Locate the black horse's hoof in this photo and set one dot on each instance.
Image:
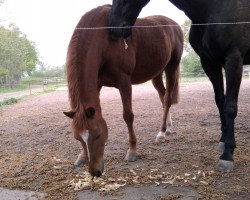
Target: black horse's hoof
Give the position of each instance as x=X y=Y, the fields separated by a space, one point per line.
x=225 y=166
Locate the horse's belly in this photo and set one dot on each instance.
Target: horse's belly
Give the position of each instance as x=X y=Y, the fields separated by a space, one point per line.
x=145 y=74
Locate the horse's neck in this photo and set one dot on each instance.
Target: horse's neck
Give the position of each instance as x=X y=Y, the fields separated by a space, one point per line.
x=89 y=92
x=196 y=10
x=83 y=78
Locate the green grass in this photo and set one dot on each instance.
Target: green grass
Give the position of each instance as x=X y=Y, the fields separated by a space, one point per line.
x=7 y=102
x=16 y=89
x=12 y=101
x=193 y=79
x=32 y=81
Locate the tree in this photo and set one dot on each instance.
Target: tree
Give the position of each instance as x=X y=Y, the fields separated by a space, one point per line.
x=191 y=62
x=49 y=72
x=18 y=56
x=186 y=28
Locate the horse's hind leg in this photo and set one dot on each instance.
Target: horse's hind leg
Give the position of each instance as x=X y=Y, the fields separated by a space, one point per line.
x=159 y=86
x=126 y=96
x=166 y=125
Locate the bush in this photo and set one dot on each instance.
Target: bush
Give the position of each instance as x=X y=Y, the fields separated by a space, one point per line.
x=8 y=102
x=191 y=65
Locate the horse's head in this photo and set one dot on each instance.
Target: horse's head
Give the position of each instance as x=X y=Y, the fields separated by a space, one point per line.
x=124 y=13
x=91 y=130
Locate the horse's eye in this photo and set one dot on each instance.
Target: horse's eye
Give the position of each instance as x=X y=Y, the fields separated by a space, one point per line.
x=89 y=112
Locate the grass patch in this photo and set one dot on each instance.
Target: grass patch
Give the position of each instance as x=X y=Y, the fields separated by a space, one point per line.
x=50 y=88
x=16 y=89
x=7 y=102
x=193 y=79
x=12 y=101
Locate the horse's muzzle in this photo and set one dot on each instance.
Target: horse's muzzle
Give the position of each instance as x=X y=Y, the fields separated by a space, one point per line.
x=98 y=172
x=113 y=34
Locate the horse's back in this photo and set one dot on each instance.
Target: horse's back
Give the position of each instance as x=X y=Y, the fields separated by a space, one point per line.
x=161 y=30
x=158 y=43
x=158 y=23
x=218 y=38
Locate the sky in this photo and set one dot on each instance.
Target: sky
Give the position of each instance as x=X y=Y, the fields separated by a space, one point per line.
x=50 y=23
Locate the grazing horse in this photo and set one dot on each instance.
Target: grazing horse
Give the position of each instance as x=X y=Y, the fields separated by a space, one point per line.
x=223 y=41
x=95 y=60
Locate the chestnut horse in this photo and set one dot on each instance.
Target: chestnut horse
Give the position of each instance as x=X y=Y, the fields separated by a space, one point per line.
x=94 y=60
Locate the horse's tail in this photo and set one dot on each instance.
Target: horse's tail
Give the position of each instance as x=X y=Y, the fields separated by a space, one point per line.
x=175 y=95
x=172 y=81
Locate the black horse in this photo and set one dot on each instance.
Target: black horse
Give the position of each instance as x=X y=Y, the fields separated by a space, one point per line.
x=223 y=41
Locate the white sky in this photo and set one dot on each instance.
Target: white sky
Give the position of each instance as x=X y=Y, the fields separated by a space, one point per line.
x=50 y=23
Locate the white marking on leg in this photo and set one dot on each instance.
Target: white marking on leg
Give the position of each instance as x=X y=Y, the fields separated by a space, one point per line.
x=85 y=136
x=79 y=159
x=161 y=136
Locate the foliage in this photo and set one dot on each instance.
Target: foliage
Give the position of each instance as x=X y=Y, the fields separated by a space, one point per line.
x=18 y=55
x=49 y=72
x=186 y=29
x=191 y=64
x=8 y=102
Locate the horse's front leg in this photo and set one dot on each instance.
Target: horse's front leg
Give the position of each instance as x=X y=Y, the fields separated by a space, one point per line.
x=233 y=70
x=83 y=156
x=126 y=96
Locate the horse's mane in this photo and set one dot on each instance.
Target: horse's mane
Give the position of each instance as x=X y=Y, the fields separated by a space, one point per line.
x=77 y=51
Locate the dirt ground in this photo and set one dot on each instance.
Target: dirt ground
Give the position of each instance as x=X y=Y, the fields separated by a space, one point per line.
x=37 y=148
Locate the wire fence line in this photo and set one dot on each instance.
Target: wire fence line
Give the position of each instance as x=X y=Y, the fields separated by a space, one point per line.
x=162 y=25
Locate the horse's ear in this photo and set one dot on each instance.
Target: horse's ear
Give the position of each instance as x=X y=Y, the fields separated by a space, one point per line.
x=70 y=114
x=89 y=112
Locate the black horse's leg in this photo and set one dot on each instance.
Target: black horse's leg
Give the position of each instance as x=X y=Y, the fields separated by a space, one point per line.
x=233 y=69
x=214 y=73
x=125 y=89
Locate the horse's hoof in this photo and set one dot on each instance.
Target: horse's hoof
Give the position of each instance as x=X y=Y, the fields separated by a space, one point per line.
x=81 y=159
x=161 y=137
x=131 y=156
x=225 y=166
x=220 y=147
